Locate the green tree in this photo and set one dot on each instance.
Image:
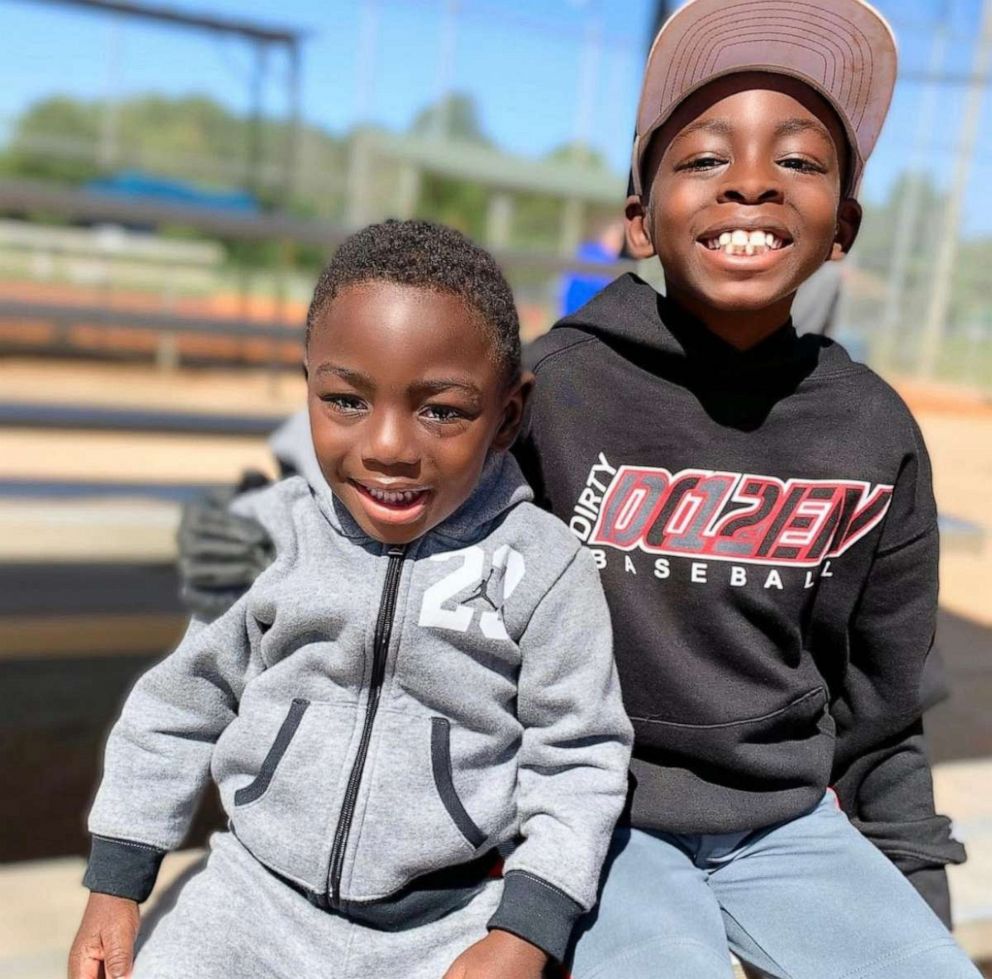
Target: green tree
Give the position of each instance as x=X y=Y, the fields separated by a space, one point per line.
x=55 y=139
x=190 y=138
x=579 y=154
x=454 y=117
x=459 y=203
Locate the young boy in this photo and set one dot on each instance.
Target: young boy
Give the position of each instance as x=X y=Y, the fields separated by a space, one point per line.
x=761 y=512
x=422 y=676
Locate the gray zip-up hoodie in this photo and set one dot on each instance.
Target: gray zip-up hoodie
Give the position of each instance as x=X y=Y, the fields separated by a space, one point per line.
x=373 y=714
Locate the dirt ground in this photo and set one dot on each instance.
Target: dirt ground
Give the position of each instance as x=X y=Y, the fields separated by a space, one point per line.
x=957 y=427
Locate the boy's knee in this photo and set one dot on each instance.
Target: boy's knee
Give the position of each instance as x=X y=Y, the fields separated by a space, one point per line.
x=943 y=958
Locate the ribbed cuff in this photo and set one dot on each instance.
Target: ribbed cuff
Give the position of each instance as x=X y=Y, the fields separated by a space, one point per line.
x=931 y=885
x=914 y=843
x=537 y=912
x=122 y=868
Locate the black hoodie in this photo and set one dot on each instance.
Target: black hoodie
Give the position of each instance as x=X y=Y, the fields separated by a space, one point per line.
x=766 y=532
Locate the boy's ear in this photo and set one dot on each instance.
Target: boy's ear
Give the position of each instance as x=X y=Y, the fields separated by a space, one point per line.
x=848 y=224
x=639 y=243
x=513 y=413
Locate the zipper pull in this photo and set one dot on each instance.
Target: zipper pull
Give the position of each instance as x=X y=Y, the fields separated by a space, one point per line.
x=396 y=550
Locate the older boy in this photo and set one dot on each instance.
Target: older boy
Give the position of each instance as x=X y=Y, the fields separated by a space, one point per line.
x=761 y=511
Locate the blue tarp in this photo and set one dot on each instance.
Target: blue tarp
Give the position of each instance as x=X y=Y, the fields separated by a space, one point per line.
x=133 y=183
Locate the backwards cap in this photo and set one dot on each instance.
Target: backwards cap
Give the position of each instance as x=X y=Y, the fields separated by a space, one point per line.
x=843 y=49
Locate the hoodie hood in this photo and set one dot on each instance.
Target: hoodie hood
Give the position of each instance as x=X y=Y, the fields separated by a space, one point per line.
x=653 y=332
x=293 y=448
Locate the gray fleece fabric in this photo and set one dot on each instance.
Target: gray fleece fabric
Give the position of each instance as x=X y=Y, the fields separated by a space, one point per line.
x=373 y=714
x=234 y=920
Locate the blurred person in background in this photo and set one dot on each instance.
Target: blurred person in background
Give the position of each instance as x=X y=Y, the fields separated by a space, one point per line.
x=605 y=246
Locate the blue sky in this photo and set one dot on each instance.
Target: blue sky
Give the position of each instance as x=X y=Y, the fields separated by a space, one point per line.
x=522 y=60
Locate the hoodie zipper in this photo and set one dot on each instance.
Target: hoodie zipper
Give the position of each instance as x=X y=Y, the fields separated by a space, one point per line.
x=380 y=650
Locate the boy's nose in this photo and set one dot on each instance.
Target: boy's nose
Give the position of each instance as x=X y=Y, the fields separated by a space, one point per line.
x=390 y=442
x=751 y=185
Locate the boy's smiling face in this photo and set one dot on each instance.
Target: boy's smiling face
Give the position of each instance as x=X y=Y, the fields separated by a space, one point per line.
x=405 y=401
x=749 y=153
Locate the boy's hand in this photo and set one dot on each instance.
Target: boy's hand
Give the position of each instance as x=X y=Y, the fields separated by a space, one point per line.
x=104 y=945
x=499 y=955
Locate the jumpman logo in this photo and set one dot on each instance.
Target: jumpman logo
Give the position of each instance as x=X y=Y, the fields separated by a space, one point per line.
x=482 y=591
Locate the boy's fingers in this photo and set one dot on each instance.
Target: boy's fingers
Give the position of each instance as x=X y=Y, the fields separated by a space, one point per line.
x=85 y=963
x=118 y=954
x=118 y=964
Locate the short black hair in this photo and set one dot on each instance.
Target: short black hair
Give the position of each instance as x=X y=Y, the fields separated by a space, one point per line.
x=430 y=256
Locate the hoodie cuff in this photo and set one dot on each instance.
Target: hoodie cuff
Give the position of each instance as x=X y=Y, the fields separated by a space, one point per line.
x=914 y=843
x=931 y=885
x=122 y=868
x=537 y=912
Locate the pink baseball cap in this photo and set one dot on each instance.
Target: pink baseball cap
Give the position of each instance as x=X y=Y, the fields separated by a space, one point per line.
x=843 y=49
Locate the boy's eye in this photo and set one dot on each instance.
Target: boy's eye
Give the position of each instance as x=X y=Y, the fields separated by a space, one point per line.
x=442 y=413
x=703 y=163
x=801 y=164
x=347 y=404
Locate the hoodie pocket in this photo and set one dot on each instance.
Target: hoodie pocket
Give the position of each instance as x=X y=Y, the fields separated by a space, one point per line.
x=445 y=783
x=281 y=771
x=433 y=795
x=256 y=789
x=786 y=747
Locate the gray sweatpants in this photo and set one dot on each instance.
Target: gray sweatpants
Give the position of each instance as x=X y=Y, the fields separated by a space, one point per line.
x=234 y=919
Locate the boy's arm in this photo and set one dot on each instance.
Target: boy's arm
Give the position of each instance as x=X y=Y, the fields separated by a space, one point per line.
x=572 y=778
x=158 y=753
x=884 y=781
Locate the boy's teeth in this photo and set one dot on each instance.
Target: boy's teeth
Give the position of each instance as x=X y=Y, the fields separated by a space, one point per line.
x=742 y=242
x=389 y=496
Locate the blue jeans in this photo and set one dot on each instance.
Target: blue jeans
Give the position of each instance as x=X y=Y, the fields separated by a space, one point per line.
x=810 y=898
